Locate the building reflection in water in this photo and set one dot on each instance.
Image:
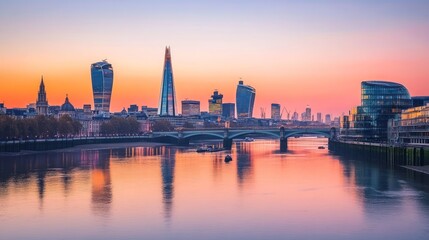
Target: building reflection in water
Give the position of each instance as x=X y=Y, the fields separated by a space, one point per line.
x=167 y=170
x=101 y=194
x=244 y=162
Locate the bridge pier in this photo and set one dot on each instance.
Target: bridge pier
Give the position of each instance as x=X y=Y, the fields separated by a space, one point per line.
x=283 y=144
x=227 y=143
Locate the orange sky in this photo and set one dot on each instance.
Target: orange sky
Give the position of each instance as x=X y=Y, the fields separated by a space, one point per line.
x=289 y=59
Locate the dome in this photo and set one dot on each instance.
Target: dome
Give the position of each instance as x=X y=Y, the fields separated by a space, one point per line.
x=67 y=106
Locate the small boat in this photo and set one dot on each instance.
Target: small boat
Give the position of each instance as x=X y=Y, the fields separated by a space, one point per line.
x=321 y=147
x=249 y=139
x=202 y=149
x=228 y=158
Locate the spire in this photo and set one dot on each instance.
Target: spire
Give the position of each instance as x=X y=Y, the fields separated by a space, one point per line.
x=167 y=53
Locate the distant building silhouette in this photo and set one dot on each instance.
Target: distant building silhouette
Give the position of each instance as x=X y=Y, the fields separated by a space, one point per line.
x=102 y=84
x=67 y=108
x=245 y=99
x=190 y=108
x=215 y=103
x=167 y=101
x=42 y=101
x=275 y=111
x=228 y=110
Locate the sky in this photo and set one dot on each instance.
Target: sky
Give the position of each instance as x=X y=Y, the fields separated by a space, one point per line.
x=292 y=52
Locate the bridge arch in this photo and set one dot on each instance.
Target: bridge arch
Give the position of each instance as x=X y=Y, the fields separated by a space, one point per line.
x=201 y=134
x=325 y=134
x=244 y=133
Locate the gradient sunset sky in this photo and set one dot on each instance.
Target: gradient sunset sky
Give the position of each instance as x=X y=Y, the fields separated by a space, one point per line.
x=293 y=52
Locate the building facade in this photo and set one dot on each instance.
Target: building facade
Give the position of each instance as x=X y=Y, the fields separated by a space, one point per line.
x=190 y=108
x=245 y=100
x=167 y=101
x=215 y=103
x=102 y=84
x=42 y=101
x=228 y=110
x=380 y=101
x=412 y=127
x=275 y=111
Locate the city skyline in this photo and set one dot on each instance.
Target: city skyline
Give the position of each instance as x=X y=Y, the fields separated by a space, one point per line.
x=294 y=54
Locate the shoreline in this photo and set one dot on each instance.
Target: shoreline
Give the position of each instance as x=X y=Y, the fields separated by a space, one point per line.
x=96 y=146
x=421 y=169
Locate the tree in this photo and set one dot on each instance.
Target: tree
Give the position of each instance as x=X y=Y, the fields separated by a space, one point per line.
x=162 y=126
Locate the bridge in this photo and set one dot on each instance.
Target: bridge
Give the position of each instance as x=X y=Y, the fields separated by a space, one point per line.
x=182 y=137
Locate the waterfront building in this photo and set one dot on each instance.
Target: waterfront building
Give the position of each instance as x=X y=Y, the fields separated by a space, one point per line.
x=167 y=100
x=190 y=108
x=215 y=104
x=150 y=111
x=2 y=108
x=275 y=111
x=411 y=127
x=380 y=101
x=228 y=110
x=420 y=101
x=42 y=101
x=245 y=100
x=102 y=84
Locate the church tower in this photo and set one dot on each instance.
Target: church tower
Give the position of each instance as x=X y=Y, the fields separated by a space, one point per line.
x=42 y=102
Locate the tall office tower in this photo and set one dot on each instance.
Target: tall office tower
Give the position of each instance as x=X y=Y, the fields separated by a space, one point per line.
x=328 y=119
x=295 y=116
x=167 y=100
x=245 y=99
x=319 y=117
x=215 y=103
x=190 y=108
x=102 y=83
x=42 y=102
x=275 y=111
x=228 y=110
x=307 y=113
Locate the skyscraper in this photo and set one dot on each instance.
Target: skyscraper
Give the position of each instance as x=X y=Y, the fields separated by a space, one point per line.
x=215 y=103
x=275 y=111
x=167 y=100
x=228 y=110
x=245 y=99
x=307 y=113
x=102 y=83
x=42 y=102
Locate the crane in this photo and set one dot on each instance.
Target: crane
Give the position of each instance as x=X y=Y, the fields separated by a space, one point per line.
x=287 y=111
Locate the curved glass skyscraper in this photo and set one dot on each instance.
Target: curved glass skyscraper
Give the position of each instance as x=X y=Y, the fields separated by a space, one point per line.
x=380 y=101
x=245 y=99
x=167 y=100
x=102 y=83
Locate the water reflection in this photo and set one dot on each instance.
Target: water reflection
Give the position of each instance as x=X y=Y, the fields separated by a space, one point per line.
x=101 y=194
x=167 y=171
x=244 y=163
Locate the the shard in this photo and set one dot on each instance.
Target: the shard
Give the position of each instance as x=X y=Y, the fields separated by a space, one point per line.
x=167 y=101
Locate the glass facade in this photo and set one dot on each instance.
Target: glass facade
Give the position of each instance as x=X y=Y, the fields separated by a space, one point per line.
x=275 y=111
x=380 y=101
x=167 y=100
x=245 y=99
x=228 y=110
x=102 y=83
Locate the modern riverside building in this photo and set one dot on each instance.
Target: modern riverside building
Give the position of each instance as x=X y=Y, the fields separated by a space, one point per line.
x=228 y=110
x=215 y=104
x=42 y=101
x=380 y=101
x=412 y=127
x=102 y=83
x=245 y=99
x=167 y=100
x=275 y=111
x=420 y=101
x=190 y=108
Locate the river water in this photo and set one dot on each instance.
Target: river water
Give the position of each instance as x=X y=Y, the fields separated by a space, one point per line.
x=168 y=192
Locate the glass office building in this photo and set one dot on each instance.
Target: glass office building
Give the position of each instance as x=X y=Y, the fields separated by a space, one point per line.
x=245 y=99
x=215 y=104
x=102 y=83
x=380 y=101
x=228 y=110
x=167 y=100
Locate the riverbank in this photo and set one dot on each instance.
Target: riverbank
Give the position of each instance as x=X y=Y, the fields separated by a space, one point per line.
x=97 y=146
x=422 y=169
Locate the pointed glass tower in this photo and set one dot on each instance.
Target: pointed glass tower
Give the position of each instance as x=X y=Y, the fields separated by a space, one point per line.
x=42 y=102
x=167 y=100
